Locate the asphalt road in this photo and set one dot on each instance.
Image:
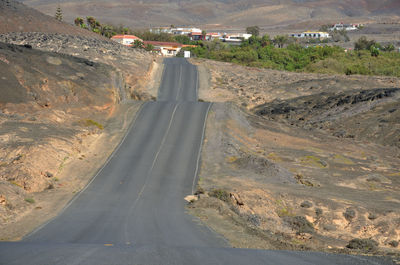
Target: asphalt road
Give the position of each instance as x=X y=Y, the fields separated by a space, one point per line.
x=133 y=211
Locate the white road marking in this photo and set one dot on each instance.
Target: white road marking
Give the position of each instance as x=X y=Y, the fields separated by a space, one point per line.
x=149 y=171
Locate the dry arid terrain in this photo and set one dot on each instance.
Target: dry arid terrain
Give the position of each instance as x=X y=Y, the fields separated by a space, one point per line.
x=222 y=14
x=300 y=161
x=17 y=17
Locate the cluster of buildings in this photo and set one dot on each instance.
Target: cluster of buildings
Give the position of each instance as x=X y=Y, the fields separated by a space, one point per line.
x=196 y=34
x=173 y=48
x=162 y=48
x=326 y=35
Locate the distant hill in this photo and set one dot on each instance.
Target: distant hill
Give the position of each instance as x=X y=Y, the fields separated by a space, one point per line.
x=234 y=13
x=17 y=17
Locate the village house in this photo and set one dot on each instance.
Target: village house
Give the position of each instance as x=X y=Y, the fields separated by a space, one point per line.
x=213 y=36
x=347 y=27
x=127 y=40
x=311 y=34
x=185 y=31
x=196 y=36
x=165 y=48
x=161 y=30
x=236 y=38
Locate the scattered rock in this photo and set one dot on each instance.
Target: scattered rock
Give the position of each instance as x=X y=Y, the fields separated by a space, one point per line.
x=372 y=216
x=349 y=214
x=3 y=200
x=236 y=198
x=191 y=198
x=394 y=243
x=306 y=204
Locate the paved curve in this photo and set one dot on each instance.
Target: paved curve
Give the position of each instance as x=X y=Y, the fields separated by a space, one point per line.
x=133 y=210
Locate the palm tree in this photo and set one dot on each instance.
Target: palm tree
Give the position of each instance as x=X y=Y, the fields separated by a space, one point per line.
x=58 y=14
x=280 y=40
x=78 y=22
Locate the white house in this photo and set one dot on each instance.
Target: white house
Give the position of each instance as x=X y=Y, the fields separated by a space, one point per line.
x=236 y=38
x=341 y=26
x=185 y=31
x=311 y=34
x=165 y=48
x=125 y=39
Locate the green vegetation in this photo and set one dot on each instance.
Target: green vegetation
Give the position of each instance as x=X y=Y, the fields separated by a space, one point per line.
x=30 y=200
x=89 y=122
x=284 y=53
x=253 y=30
x=105 y=30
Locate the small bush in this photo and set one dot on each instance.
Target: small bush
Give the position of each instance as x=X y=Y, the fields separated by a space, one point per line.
x=220 y=194
x=30 y=200
x=363 y=244
x=300 y=224
x=89 y=122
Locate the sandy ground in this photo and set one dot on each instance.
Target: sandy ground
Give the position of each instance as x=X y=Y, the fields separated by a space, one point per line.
x=72 y=176
x=267 y=182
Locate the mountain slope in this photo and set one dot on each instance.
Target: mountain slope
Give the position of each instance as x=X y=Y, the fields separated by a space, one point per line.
x=225 y=12
x=17 y=17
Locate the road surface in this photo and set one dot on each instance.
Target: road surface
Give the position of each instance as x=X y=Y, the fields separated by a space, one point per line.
x=133 y=211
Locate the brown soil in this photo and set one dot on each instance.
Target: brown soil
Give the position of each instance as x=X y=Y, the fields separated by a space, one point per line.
x=273 y=180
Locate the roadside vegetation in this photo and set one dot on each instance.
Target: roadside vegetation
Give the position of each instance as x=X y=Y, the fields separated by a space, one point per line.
x=282 y=53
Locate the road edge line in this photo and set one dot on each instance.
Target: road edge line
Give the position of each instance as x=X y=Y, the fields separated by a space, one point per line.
x=91 y=180
x=201 y=147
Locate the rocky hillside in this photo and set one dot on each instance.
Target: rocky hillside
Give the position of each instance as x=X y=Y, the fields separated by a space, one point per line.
x=237 y=13
x=364 y=114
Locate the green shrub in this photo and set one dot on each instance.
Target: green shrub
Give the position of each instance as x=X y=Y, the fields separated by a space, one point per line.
x=30 y=200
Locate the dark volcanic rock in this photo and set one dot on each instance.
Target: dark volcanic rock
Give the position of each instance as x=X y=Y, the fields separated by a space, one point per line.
x=361 y=114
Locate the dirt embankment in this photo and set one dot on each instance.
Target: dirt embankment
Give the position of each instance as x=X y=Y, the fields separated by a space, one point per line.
x=61 y=116
x=277 y=174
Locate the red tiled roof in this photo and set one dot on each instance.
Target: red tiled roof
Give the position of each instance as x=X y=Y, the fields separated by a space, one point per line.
x=166 y=44
x=125 y=37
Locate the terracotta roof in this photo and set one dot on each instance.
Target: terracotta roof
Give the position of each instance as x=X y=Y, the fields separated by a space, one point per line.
x=166 y=44
x=125 y=37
